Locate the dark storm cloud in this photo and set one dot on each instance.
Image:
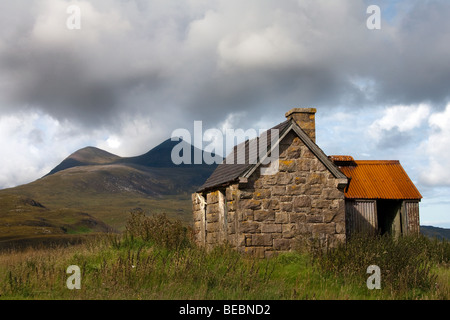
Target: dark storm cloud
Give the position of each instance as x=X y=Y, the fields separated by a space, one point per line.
x=185 y=60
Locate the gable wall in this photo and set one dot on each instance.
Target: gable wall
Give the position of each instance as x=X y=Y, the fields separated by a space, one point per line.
x=270 y=213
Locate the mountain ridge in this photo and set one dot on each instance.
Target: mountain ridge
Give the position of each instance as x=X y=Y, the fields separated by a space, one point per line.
x=157 y=157
x=106 y=187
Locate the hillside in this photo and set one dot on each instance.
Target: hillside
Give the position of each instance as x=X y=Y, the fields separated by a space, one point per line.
x=435 y=232
x=104 y=187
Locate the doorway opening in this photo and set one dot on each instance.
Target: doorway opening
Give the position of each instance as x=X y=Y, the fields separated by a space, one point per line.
x=389 y=217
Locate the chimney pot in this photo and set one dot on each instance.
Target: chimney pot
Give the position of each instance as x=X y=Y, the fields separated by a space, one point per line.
x=305 y=118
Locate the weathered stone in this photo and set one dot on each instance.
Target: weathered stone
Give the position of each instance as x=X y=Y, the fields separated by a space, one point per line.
x=261 y=194
x=270 y=227
x=307 y=154
x=286 y=166
x=231 y=194
x=271 y=204
x=297 y=142
x=231 y=205
x=259 y=252
x=250 y=251
x=340 y=228
x=303 y=228
x=301 y=202
x=299 y=180
x=264 y=215
x=212 y=227
x=212 y=197
x=321 y=203
x=294 y=189
x=247 y=214
x=288 y=231
x=197 y=225
x=231 y=228
x=283 y=178
x=286 y=206
x=329 y=216
x=314 y=218
x=212 y=217
x=340 y=238
x=294 y=152
x=295 y=217
x=281 y=217
x=212 y=237
x=278 y=190
x=260 y=239
x=249 y=227
x=276 y=235
x=331 y=194
x=268 y=254
x=316 y=178
x=323 y=228
x=245 y=194
x=314 y=189
x=304 y=165
x=197 y=215
x=250 y=204
x=269 y=180
x=281 y=244
x=212 y=208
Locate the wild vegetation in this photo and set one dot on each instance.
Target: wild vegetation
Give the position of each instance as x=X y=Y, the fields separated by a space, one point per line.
x=155 y=258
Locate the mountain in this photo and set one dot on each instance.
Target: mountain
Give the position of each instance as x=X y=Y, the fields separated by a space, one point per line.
x=84 y=157
x=435 y=232
x=158 y=157
x=92 y=187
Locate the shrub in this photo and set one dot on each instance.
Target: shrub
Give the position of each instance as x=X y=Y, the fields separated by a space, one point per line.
x=405 y=262
x=157 y=229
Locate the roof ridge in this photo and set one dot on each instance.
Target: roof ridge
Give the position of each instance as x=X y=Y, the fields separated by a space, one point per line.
x=377 y=161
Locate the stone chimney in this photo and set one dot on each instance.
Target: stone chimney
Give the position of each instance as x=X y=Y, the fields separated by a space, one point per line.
x=305 y=118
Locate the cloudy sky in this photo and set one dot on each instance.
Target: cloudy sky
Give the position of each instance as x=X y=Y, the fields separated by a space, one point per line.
x=137 y=70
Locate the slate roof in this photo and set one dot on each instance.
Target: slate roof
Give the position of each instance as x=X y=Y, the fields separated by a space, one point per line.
x=234 y=168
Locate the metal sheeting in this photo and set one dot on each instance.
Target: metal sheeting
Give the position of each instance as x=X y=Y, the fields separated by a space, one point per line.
x=361 y=217
x=412 y=217
x=384 y=179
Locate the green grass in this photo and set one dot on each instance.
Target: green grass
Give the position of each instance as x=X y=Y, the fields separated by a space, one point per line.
x=166 y=265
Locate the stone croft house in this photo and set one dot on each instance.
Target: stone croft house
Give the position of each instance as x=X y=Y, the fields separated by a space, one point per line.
x=311 y=195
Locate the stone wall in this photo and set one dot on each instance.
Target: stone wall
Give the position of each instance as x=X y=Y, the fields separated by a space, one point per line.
x=270 y=213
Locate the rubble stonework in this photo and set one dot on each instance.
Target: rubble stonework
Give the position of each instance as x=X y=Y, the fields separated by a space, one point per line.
x=269 y=213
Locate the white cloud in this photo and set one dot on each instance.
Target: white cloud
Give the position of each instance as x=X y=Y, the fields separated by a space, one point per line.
x=32 y=144
x=437 y=148
x=132 y=137
x=401 y=117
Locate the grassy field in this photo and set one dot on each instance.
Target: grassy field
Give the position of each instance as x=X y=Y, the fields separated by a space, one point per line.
x=26 y=217
x=155 y=259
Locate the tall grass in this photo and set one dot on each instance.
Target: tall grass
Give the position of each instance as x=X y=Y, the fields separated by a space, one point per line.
x=406 y=263
x=155 y=258
x=158 y=230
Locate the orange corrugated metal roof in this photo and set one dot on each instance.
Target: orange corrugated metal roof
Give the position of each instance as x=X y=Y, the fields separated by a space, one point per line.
x=377 y=179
